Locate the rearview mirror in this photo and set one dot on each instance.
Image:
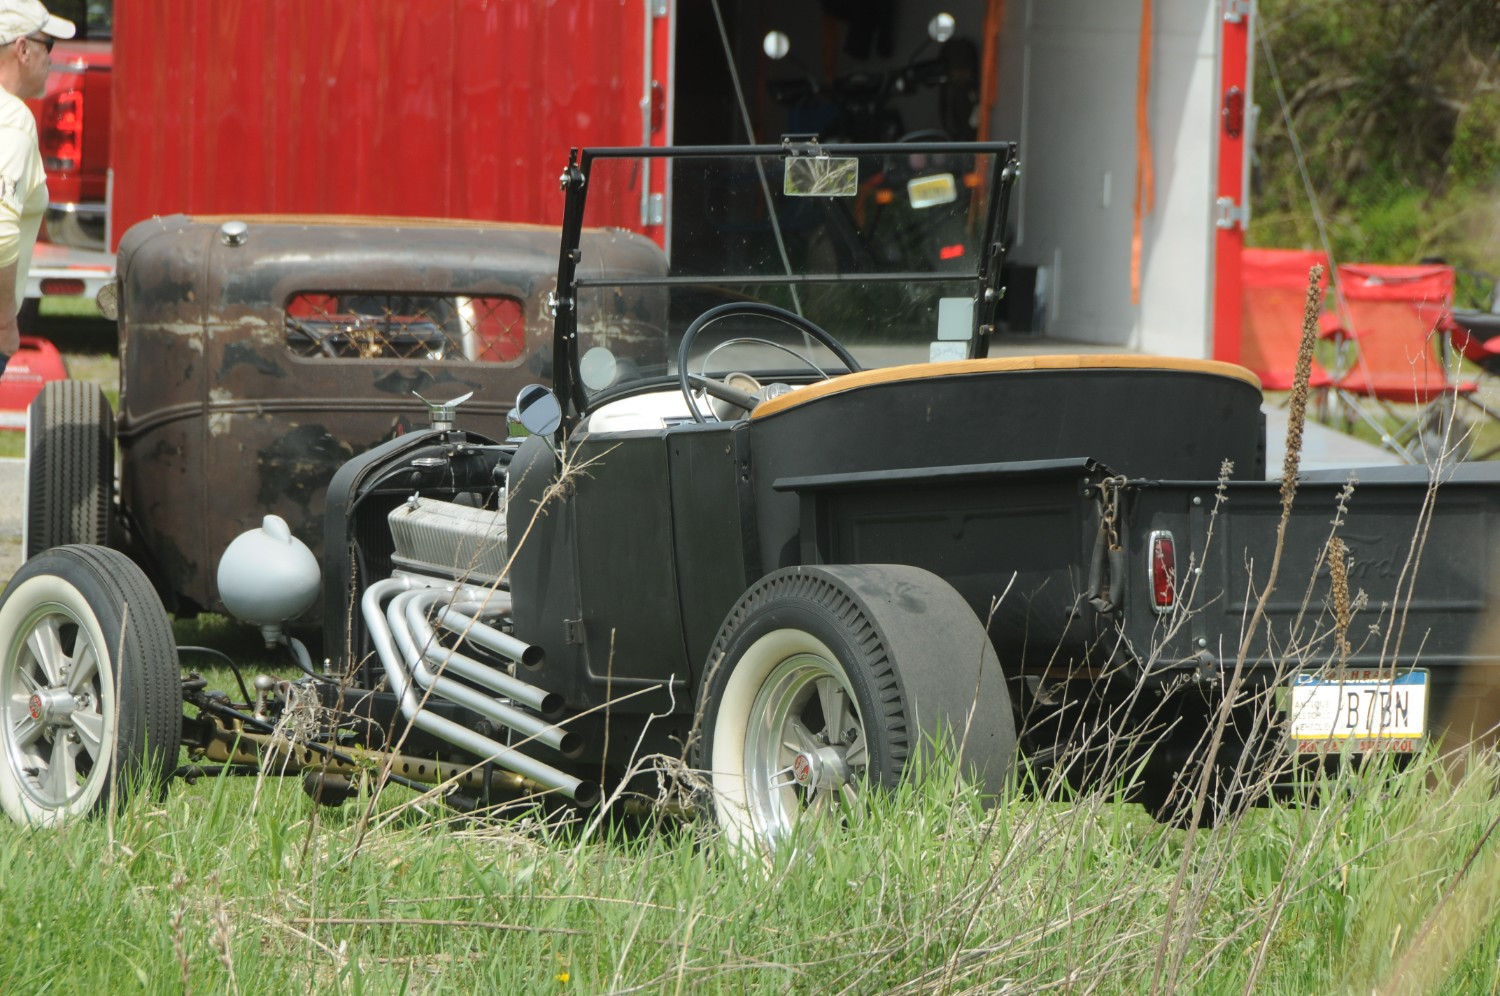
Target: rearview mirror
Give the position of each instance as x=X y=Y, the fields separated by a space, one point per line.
x=821 y=176
x=537 y=410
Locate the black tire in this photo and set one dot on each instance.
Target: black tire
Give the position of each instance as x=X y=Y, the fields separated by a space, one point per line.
x=891 y=656
x=70 y=467
x=90 y=697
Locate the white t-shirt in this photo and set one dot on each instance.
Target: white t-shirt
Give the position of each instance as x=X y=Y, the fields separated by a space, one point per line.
x=23 y=188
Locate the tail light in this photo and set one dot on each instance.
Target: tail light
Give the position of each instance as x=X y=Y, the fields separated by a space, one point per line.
x=59 y=286
x=1163 y=571
x=61 y=137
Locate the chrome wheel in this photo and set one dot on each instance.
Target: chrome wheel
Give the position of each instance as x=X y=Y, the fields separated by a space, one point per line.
x=57 y=711
x=826 y=681
x=805 y=747
x=90 y=698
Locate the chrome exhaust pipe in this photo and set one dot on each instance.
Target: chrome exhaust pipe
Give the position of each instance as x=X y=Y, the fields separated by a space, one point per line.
x=545 y=702
x=412 y=606
x=579 y=790
x=489 y=637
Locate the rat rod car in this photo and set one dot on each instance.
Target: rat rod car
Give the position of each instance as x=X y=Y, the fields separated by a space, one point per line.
x=824 y=536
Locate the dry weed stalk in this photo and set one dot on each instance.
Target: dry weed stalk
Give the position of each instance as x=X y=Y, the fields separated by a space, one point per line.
x=221 y=934
x=1338 y=573
x=1289 y=471
x=179 y=929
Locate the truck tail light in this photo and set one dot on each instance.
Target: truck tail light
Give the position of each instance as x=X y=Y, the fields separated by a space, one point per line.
x=61 y=137
x=1163 y=571
x=58 y=286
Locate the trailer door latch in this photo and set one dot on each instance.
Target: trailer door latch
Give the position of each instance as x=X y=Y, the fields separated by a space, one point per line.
x=1228 y=213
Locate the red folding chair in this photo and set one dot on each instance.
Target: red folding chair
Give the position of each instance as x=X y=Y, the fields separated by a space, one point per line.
x=1394 y=318
x=1476 y=335
x=1273 y=297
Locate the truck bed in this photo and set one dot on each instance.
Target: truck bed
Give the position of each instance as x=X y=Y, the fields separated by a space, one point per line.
x=1421 y=574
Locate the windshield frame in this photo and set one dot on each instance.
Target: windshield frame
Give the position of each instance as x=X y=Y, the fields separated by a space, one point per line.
x=988 y=291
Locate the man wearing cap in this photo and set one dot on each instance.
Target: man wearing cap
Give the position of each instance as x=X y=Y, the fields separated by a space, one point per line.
x=27 y=32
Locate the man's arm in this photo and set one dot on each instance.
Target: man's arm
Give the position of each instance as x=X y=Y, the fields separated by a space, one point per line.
x=17 y=159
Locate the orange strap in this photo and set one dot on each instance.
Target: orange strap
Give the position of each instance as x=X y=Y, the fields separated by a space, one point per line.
x=1145 y=168
x=989 y=74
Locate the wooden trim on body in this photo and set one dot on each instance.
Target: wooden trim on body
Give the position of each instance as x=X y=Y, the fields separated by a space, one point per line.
x=1000 y=364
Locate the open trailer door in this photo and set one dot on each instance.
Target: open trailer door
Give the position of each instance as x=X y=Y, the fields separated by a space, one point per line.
x=1235 y=136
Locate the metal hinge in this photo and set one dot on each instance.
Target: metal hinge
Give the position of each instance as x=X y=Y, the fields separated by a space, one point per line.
x=1228 y=214
x=1236 y=11
x=655 y=212
x=573 y=631
x=658 y=8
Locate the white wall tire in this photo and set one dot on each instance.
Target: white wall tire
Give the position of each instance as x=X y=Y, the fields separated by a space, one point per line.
x=780 y=677
x=89 y=693
x=825 y=681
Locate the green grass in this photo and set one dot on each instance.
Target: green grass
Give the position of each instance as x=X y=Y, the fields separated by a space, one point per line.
x=68 y=307
x=239 y=886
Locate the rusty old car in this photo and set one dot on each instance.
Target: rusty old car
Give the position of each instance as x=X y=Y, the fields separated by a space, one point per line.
x=257 y=355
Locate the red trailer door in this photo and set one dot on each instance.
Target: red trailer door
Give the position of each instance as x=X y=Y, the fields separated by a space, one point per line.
x=1232 y=213
x=446 y=108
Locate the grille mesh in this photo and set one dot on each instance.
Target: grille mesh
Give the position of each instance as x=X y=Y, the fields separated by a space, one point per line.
x=361 y=326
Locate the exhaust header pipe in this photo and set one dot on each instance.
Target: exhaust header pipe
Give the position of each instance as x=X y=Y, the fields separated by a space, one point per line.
x=581 y=791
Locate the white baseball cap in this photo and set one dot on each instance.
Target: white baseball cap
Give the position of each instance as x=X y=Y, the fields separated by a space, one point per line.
x=25 y=17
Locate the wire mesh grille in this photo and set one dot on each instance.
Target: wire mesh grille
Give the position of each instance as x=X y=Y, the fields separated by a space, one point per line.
x=428 y=327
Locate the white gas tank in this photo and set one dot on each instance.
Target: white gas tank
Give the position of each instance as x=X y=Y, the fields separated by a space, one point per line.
x=268 y=576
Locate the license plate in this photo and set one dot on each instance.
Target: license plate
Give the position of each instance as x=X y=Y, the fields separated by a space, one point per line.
x=1360 y=710
x=930 y=191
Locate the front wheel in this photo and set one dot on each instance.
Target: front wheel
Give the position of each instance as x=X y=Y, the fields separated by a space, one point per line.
x=827 y=681
x=89 y=689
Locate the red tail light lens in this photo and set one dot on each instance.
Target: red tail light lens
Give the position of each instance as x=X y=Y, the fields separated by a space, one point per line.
x=56 y=286
x=1163 y=571
x=61 y=137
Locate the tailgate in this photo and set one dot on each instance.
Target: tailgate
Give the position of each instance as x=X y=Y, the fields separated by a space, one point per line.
x=1420 y=576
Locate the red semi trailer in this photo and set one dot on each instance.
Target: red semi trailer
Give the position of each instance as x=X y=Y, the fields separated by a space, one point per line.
x=441 y=109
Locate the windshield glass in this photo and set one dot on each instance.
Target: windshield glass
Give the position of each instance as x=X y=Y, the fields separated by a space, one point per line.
x=882 y=249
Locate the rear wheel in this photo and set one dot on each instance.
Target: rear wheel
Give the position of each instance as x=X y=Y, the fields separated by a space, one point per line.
x=70 y=461
x=826 y=681
x=89 y=689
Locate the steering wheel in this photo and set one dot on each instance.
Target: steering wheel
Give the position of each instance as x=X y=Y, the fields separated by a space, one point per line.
x=688 y=381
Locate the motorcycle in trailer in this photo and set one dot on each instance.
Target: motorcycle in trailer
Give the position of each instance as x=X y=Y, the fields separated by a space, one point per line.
x=821 y=537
